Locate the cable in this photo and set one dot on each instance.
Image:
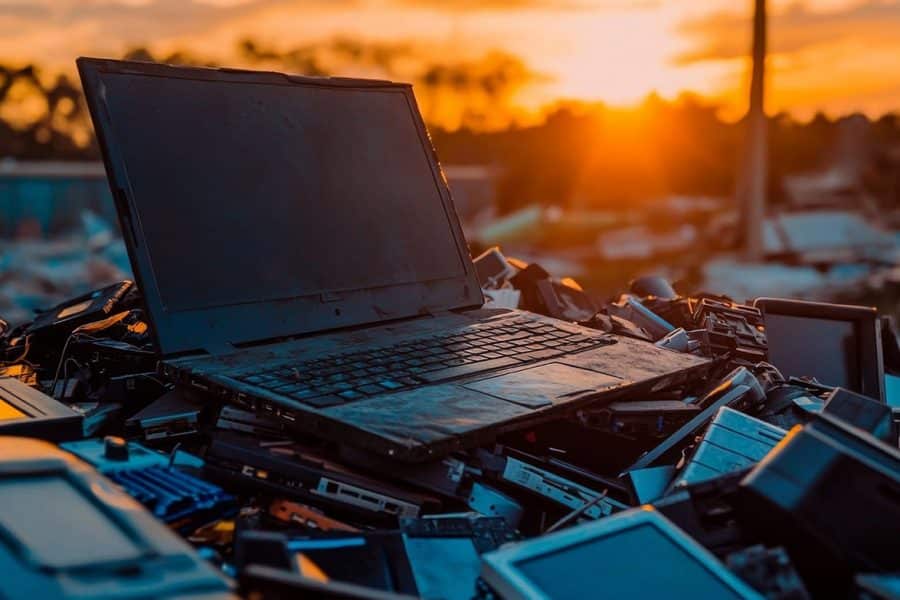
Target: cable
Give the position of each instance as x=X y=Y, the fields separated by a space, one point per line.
x=62 y=358
x=577 y=512
x=154 y=379
x=66 y=367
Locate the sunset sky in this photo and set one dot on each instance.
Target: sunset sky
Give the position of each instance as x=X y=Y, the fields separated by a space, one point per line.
x=832 y=55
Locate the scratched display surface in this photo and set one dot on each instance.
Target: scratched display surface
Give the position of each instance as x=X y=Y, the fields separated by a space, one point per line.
x=332 y=186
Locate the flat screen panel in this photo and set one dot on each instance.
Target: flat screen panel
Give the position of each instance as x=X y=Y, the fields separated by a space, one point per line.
x=636 y=562
x=252 y=192
x=826 y=349
x=36 y=509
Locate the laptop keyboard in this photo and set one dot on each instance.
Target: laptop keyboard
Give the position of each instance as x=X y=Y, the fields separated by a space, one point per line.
x=341 y=378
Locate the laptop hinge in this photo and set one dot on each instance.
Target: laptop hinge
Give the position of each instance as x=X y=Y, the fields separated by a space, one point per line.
x=216 y=349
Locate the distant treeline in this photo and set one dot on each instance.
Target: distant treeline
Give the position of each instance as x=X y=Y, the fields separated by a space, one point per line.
x=587 y=155
x=41 y=120
x=595 y=156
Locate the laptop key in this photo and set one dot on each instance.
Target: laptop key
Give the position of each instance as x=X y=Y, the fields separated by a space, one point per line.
x=566 y=348
x=323 y=401
x=537 y=355
x=281 y=386
x=435 y=366
x=351 y=395
x=390 y=384
x=474 y=358
x=370 y=390
x=328 y=389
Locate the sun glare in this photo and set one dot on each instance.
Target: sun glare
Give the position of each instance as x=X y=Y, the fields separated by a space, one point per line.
x=618 y=58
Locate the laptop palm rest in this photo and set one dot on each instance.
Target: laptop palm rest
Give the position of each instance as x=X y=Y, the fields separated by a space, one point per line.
x=544 y=385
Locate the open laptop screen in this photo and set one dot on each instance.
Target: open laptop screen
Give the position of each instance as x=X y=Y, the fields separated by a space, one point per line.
x=250 y=192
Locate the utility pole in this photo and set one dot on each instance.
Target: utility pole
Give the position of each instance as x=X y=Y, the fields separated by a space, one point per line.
x=753 y=194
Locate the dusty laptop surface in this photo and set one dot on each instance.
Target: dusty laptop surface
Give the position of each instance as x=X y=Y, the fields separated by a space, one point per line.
x=299 y=255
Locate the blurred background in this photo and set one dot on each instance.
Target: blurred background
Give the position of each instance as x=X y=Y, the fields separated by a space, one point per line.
x=744 y=147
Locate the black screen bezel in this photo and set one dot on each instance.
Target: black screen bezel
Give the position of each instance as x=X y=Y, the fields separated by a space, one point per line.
x=866 y=326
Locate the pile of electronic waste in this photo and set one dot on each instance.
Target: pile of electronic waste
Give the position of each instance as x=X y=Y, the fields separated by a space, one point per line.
x=767 y=465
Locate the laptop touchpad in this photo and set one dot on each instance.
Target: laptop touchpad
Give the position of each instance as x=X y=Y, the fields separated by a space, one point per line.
x=544 y=385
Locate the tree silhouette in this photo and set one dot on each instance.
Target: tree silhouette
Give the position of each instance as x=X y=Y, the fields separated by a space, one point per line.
x=579 y=155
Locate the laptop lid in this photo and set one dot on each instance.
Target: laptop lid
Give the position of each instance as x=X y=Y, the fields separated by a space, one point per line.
x=257 y=205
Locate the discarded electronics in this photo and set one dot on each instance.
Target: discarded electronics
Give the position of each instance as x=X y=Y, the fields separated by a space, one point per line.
x=391 y=361
x=493 y=268
x=733 y=441
x=740 y=390
x=860 y=411
x=375 y=432
x=60 y=321
x=289 y=513
x=565 y=564
x=71 y=533
x=540 y=479
x=716 y=325
x=172 y=415
x=298 y=471
x=769 y=571
x=710 y=513
x=640 y=417
x=836 y=344
x=268 y=583
x=162 y=485
x=802 y=488
x=428 y=557
x=631 y=309
x=29 y=412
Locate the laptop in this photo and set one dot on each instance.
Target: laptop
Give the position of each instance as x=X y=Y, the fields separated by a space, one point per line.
x=299 y=256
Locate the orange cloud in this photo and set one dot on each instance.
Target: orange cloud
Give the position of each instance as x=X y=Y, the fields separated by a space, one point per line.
x=841 y=58
x=726 y=35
